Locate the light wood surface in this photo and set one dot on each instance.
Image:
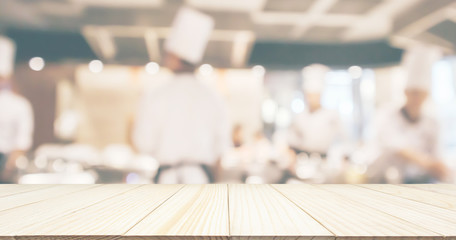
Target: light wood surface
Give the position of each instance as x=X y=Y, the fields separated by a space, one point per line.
x=419 y=195
x=449 y=189
x=29 y=197
x=259 y=210
x=14 y=221
x=113 y=216
x=420 y=214
x=196 y=210
x=222 y=212
x=12 y=189
x=348 y=219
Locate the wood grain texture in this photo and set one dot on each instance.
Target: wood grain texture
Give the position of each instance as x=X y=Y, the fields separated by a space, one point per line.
x=169 y=237
x=259 y=210
x=14 y=221
x=432 y=198
x=266 y=237
x=12 y=189
x=223 y=212
x=439 y=220
x=196 y=210
x=64 y=237
x=39 y=194
x=113 y=216
x=347 y=219
x=449 y=189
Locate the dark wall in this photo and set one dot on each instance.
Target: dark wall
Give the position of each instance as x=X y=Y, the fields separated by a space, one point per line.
x=62 y=46
x=51 y=45
x=298 y=55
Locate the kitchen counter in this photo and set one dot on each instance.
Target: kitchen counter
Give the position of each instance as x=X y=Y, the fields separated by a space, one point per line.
x=225 y=211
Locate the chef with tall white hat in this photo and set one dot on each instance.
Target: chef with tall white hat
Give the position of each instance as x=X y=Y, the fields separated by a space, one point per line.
x=16 y=116
x=314 y=132
x=184 y=124
x=407 y=136
x=317 y=128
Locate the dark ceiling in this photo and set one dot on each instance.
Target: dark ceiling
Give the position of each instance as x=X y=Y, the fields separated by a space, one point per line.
x=286 y=33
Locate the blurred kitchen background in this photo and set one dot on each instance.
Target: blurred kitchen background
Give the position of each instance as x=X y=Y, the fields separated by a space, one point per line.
x=84 y=64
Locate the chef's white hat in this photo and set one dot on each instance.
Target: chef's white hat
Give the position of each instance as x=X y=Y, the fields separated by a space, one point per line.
x=314 y=77
x=418 y=61
x=7 y=54
x=189 y=35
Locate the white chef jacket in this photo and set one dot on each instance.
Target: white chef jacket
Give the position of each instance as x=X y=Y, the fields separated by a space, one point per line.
x=394 y=132
x=16 y=122
x=183 y=121
x=315 y=131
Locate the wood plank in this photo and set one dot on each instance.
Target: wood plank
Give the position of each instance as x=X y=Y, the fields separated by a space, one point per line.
x=13 y=221
x=432 y=198
x=259 y=210
x=114 y=216
x=432 y=218
x=221 y=212
x=173 y=237
x=449 y=189
x=176 y=237
x=196 y=210
x=12 y=189
x=67 y=238
x=351 y=220
x=38 y=195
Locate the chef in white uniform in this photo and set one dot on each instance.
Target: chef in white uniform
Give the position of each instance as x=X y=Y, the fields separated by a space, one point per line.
x=407 y=137
x=317 y=128
x=16 y=117
x=184 y=124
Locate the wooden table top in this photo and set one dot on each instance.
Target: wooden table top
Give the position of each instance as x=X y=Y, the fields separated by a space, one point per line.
x=225 y=211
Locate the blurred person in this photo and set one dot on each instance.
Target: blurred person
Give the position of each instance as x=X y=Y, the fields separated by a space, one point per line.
x=407 y=137
x=16 y=116
x=184 y=123
x=317 y=129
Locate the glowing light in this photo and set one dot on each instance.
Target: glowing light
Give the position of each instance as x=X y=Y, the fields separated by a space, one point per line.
x=206 y=69
x=132 y=178
x=304 y=172
x=37 y=63
x=392 y=175
x=258 y=71
x=147 y=163
x=152 y=68
x=96 y=66
x=355 y=71
x=297 y=105
x=283 y=118
x=269 y=110
x=254 y=180
x=40 y=162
